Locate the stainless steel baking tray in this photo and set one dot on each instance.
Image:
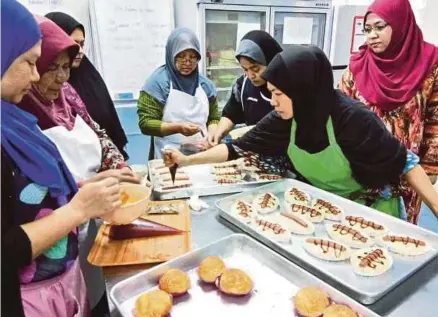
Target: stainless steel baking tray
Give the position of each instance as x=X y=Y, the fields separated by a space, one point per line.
x=203 y=183
x=366 y=290
x=276 y=280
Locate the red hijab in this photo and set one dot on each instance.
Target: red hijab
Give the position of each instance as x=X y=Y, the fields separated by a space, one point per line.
x=58 y=112
x=392 y=78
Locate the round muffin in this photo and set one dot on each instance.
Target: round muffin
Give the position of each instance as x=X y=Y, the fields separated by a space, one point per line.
x=311 y=301
x=337 y=310
x=175 y=282
x=235 y=282
x=153 y=304
x=210 y=269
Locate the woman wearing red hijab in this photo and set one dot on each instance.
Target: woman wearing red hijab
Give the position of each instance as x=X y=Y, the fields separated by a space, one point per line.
x=396 y=75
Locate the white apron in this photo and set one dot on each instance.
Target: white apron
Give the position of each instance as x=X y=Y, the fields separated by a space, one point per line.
x=80 y=148
x=182 y=107
x=81 y=151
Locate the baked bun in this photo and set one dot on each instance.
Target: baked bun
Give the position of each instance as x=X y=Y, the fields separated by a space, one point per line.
x=210 y=269
x=153 y=304
x=311 y=301
x=235 y=282
x=175 y=282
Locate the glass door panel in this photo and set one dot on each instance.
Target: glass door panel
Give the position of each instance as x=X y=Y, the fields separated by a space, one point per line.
x=223 y=31
x=299 y=28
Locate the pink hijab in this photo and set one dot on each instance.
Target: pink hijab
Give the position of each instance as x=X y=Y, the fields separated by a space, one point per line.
x=59 y=112
x=392 y=78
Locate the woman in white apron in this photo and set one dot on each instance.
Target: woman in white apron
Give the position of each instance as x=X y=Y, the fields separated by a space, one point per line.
x=85 y=148
x=40 y=205
x=177 y=104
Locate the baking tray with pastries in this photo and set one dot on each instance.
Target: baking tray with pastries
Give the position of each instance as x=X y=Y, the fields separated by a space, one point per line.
x=208 y=179
x=235 y=276
x=365 y=251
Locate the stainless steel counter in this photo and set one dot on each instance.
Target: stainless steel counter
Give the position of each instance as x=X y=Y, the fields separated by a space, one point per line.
x=416 y=297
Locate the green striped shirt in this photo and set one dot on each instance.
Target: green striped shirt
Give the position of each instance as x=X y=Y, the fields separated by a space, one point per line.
x=150 y=114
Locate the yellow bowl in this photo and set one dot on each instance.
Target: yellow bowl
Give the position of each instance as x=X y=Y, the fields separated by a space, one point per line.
x=138 y=198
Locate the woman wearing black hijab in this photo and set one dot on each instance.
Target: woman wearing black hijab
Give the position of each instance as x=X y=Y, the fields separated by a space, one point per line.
x=90 y=86
x=332 y=141
x=250 y=99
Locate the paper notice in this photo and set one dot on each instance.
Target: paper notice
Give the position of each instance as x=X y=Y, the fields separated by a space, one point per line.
x=243 y=28
x=297 y=30
x=358 y=38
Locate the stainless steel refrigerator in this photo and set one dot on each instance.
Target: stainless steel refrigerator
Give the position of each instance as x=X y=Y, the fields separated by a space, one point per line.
x=222 y=23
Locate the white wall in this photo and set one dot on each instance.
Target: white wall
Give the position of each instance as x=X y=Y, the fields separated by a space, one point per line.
x=186 y=14
x=427 y=19
x=425 y=14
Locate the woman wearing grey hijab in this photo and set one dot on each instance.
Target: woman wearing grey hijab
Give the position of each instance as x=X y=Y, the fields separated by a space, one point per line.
x=250 y=100
x=177 y=103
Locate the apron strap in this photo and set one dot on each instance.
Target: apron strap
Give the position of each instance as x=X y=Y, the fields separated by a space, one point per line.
x=241 y=92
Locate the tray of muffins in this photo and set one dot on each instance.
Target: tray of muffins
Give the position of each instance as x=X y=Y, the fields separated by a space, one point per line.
x=234 y=277
x=362 y=252
x=211 y=179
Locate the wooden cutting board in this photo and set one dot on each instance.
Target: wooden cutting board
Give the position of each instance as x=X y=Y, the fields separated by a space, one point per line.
x=107 y=252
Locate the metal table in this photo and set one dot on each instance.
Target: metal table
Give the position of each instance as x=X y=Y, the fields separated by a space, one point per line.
x=415 y=297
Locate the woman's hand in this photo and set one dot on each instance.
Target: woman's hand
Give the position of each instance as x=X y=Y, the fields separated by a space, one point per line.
x=188 y=129
x=124 y=175
x=420 y=182
x=211 y=137
x=174 y=157
x=97 y=198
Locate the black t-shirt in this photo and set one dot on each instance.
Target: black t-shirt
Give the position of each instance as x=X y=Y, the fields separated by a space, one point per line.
x=250 y=106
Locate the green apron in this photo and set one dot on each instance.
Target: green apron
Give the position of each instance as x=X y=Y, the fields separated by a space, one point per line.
x=330 y=170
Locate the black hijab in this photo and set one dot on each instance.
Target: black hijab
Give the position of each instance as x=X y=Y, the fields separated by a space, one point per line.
x=259 y=46
x=92 y=89
x=305 y=75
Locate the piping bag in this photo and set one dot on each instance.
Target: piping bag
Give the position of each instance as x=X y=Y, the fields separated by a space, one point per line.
x=173 y=168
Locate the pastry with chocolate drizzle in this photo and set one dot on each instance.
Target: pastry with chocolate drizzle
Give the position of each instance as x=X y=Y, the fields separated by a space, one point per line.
x=332 y=212
x=305 y=212
x=371 y=228
x=326 y=249
x=349 y=236
x=371 y=261
x=296 y=196
x=404 y=245
x=266 y=203
x=272 y=229
x=243 y=211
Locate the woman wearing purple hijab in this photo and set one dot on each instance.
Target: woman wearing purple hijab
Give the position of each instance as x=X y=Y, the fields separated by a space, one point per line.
x=41 y=205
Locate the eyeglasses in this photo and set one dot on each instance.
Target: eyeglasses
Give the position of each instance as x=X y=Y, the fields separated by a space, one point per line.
x=377 y=28
x=186 y=60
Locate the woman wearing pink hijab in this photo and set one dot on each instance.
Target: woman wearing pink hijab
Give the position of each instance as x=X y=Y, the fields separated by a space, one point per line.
x=396 y=75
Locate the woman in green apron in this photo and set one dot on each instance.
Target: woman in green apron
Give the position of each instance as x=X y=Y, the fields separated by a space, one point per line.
x=331 y=141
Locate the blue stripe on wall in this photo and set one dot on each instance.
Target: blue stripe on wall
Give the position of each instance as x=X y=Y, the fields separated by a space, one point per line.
x=138 y=144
